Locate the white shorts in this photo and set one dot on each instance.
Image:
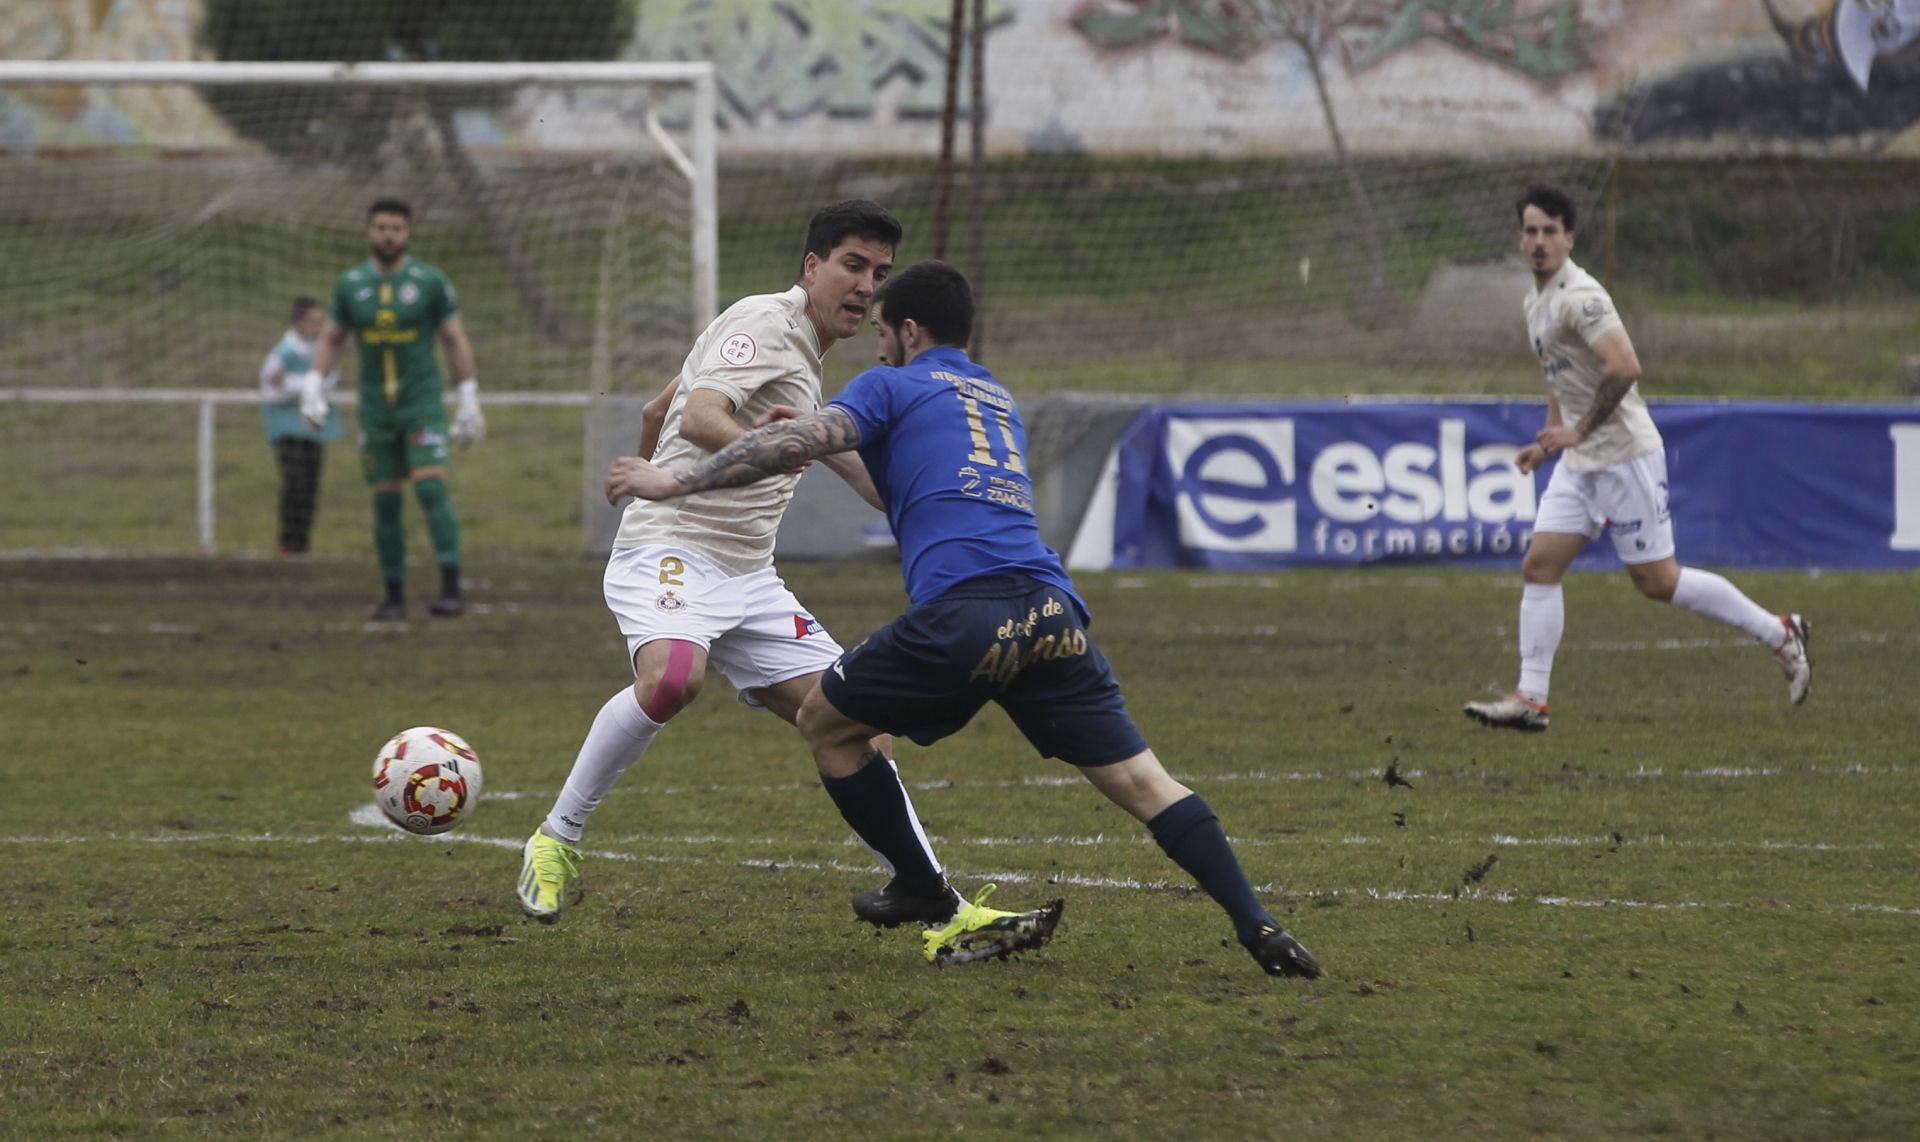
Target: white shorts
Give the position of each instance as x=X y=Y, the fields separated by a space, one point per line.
x=753 y=630
x=1628 y=500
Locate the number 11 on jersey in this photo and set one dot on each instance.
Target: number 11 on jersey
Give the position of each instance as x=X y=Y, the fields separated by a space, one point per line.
x=982 y=446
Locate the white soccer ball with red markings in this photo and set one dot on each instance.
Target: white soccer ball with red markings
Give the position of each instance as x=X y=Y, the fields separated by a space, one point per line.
x=426 y=779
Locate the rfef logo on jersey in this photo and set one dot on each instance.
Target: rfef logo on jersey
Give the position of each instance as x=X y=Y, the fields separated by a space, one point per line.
x=738 y=349
x=804 y=625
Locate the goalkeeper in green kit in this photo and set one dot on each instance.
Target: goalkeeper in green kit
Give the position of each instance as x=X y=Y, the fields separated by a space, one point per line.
x=398 y=308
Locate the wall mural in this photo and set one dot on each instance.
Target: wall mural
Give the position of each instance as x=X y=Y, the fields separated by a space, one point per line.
x=1169 y=77
x=108 y=30
x=1844 y=70
x=796 y=59
x=1544 y=42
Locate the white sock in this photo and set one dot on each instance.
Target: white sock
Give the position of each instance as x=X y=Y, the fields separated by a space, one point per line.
x=1543 y=618
x=621 y=732
x=1705 y=593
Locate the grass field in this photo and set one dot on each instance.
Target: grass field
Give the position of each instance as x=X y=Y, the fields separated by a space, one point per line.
x=1686 y=910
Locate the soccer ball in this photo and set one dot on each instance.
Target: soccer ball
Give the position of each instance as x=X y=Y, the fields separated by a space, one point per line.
x=426 y=779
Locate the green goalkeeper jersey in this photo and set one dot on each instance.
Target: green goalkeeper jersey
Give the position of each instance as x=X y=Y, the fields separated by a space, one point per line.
x=395 y=316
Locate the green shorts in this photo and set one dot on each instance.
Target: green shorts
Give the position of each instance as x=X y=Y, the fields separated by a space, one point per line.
x=391 y=449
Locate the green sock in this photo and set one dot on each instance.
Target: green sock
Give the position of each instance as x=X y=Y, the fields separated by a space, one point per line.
x=389 y=536
x=442 y=523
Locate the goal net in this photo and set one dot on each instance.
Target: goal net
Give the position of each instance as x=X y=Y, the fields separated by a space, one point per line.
x=157 y=223
x=161 y=218
x=136 y=261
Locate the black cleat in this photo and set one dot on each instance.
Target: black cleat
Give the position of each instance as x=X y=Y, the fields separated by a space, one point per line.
x=1277 y=953
x=449 y=606
x=891 y=906
x=390 y=612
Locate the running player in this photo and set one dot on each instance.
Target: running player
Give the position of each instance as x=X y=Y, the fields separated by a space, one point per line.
x=1612 y=475
x=994 y=615
x=398 y=307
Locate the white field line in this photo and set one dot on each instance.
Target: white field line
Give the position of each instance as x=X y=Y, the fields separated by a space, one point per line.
x=1858 y=637
x=1141 y=839
x=1501 y=633
x=1505 y=634
x=381 y=831
x=1201 y=780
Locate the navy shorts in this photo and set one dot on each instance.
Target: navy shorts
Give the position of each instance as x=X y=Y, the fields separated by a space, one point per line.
x=1009 y=639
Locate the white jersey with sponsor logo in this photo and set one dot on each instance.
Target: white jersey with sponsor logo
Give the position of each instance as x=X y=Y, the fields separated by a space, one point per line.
x=761 y=352
x=1564 y=319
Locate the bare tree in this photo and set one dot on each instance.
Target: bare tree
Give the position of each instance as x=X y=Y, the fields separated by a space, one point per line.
x=1311 y=25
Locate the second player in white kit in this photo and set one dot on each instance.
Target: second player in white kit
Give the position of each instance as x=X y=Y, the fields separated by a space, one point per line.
x=1612 y=475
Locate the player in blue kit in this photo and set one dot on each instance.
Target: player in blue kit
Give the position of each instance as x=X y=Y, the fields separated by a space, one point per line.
x=994 y=616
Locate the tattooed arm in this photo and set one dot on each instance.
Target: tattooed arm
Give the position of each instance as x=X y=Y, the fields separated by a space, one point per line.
x=1619 y=371
x=774 y=450
x=846 y=465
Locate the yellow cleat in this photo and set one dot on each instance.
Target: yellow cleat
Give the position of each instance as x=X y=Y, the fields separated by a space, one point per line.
x=549 y=877
x=977 y=932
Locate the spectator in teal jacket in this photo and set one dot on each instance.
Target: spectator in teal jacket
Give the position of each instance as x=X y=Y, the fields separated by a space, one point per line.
x=297 y=446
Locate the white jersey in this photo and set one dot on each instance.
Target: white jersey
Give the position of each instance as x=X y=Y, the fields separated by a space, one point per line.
x=761 y=352
x=1564 y=319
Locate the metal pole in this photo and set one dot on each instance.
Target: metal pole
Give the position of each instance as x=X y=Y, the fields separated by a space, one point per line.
x=706 y=198
x=206 y=477
x=943 y=173
x=977 y=176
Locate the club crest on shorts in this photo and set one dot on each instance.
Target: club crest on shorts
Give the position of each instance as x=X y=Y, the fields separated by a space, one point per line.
x=669 y=602
x=804 y=625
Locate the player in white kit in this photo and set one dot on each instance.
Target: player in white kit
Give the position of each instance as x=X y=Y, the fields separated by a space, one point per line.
x=692 y=581
x=1612 y=474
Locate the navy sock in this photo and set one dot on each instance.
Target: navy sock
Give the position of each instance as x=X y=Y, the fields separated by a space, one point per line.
x=875 y=805
x=1188 y=831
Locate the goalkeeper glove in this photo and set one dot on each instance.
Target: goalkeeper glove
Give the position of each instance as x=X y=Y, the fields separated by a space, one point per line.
x=313 y=399
x=469 y=426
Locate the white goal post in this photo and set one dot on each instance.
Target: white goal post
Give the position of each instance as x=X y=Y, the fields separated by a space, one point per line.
x=699 y=168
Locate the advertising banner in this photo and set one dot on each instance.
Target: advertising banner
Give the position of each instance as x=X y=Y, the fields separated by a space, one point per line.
x=1253 y=487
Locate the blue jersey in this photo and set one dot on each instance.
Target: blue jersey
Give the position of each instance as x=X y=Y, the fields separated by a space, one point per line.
x=947 y=452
